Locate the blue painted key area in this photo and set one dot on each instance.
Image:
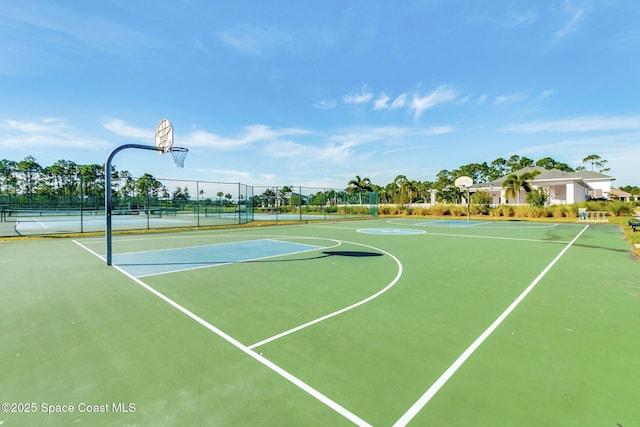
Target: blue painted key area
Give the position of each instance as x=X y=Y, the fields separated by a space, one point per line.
x=149 y=263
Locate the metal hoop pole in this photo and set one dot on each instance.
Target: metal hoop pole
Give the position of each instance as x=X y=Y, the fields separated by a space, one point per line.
x=107 y=191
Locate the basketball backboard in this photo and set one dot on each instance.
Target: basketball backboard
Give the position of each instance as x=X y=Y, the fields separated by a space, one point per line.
x=463 y=182
x=164 y=135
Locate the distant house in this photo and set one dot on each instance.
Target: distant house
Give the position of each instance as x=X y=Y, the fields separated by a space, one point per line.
x=618 y=194
x=562 y=187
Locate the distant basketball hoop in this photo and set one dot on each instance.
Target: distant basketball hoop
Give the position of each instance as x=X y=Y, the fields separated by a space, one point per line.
x=464 y=182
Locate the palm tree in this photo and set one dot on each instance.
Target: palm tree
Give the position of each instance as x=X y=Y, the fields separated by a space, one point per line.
x=514 y=183
x=359 y=185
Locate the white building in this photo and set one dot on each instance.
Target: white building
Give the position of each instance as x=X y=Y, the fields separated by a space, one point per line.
x=562 y=187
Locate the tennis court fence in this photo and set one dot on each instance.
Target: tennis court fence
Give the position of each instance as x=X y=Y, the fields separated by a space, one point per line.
x=152 y=203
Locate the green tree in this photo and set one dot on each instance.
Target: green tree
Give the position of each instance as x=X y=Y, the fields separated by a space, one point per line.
x=8 y=180
x=443 y=180
x=537 y=197
x=514 y=183
x=409 y=187
x=483 y=200
x=29 y=171
x=92 y=179
x=479 y=172
x=180 y=196
x=597 y=162
x=497 y=169
x=67 y=172
x=549 y=163
x=148 y=184
x=515 y=163
x=450 y=194
x=359 y=185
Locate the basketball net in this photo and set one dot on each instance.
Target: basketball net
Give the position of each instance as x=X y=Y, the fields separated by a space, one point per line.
x=179 y=154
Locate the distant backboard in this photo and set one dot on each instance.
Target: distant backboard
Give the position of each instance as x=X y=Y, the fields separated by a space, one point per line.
x=164 y=135
x=464 y=182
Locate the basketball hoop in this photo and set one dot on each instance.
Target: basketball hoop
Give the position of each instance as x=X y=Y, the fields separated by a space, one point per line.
x=179 y=154
x=164 y=143
x=463 y=183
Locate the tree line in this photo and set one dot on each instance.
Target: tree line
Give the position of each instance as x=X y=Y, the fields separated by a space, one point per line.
x=25 y=182
x=403 y=190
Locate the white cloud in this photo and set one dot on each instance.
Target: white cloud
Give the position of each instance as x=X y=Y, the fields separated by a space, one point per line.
x=326 y=104
x=523 y=18
x=253 y=39
x=391 y=135
x=511 y=98
x=443 y=93
x=201 y=138
x=440 y=95
x=382 y=102
x=44 y=133
x=616 y=148
x=361 y=97
x=343 y=143
x=252 y=134
x=399 y=102
x=226 y=175
x=42 y=126
x=576 y=15
x=121 y=128
x=578 y=124
x=546 y=93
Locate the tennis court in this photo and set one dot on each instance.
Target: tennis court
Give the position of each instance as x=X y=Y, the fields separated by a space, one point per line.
x=30 y=222
x=372 y=322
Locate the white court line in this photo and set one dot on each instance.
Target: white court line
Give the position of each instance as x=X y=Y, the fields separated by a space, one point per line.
x=342 y=310
x=496 y=238
x=427 y=223
x=473 y=236
x=316 y=248
x=32 y=219
x=440 y=382
x=296 y=381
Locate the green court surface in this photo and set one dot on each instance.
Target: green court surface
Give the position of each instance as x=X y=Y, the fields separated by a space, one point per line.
x=377 y=322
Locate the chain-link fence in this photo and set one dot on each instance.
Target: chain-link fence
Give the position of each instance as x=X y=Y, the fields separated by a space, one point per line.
x=152 y=203
x=298 y=203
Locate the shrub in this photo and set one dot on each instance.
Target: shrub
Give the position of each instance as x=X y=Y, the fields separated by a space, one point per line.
x=559 y=211
x=620 y=208
x=538 y=212
x=481 y=202
x=441 y=210
x=385 y=210
x=458 y=211
x=537 y=198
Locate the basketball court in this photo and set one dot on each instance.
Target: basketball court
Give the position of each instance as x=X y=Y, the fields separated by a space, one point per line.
x=380 y=322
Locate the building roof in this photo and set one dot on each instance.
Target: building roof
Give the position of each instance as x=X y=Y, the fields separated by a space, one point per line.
x=579 y=177
x=592 y=175
x=619 y=193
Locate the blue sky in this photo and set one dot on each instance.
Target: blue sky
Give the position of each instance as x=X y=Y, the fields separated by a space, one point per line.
x=316 y=92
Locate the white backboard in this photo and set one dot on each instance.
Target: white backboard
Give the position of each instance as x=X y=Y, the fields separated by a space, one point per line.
x=464 y=182
x=164 y=135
